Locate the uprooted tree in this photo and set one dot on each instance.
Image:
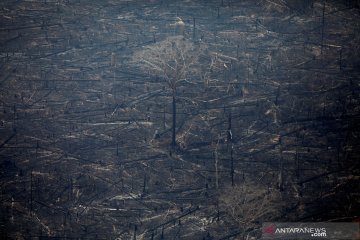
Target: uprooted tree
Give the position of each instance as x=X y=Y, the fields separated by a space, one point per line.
x=176 y=61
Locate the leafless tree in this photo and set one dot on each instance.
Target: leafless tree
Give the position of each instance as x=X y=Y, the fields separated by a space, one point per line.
x=249 y=203
x=176 y=61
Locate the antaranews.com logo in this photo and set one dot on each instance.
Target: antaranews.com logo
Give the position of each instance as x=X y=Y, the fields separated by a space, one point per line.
x=310 y=231
x=314 y=232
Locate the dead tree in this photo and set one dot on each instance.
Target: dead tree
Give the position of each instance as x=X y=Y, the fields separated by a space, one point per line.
x=176 y=61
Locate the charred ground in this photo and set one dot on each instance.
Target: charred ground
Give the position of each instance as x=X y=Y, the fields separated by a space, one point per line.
x=267 y=124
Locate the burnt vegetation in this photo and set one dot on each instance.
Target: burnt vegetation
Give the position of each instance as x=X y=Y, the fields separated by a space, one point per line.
x=177 y=119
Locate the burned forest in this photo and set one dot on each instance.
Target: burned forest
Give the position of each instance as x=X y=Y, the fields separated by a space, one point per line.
x=185 y=119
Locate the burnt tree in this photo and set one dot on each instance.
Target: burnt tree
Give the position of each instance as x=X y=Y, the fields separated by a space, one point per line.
x=176 y=61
